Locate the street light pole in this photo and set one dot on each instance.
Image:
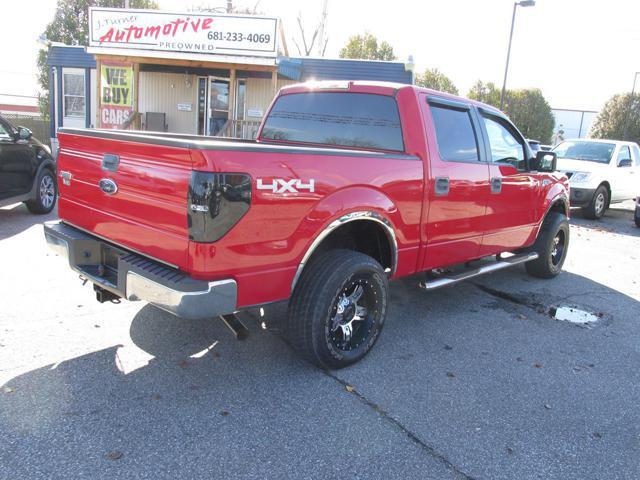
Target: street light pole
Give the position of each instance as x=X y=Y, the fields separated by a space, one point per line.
x=626 y=119
x=523 y=3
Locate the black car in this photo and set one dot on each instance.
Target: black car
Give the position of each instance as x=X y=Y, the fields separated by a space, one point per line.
x=27 y=170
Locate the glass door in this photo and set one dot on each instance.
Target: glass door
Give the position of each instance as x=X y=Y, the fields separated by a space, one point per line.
x=218 y=106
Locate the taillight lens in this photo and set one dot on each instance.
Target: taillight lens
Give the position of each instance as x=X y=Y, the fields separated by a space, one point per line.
x=216 y=202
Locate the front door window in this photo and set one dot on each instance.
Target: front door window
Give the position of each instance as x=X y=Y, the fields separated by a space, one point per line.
x=218 y=107
x=505 y=147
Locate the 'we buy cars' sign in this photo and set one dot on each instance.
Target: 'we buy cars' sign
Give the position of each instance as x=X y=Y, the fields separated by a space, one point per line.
x=116 y=93
x=191 y=32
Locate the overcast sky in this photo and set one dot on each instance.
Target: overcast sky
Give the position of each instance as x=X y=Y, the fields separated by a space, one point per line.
x=578 y=52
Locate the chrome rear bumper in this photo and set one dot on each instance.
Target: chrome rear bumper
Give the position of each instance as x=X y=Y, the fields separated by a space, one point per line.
x=134 y=277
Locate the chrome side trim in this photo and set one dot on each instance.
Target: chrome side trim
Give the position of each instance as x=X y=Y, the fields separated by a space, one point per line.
x=351 y=217
x=220 y=298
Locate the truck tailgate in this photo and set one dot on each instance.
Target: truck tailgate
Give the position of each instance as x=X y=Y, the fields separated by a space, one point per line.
x=148 y=211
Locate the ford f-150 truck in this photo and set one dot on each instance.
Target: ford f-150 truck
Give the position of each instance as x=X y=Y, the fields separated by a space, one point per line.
x=348 y=186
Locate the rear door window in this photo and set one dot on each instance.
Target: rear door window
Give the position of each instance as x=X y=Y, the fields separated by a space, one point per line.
x=343 y=119
x=455 y=135
x=636 y=155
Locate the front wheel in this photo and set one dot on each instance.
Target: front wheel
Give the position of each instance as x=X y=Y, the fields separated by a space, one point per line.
x=338 y=308
x=598 y=205
x=636 y=217
x=46 y=192
x=551 y=246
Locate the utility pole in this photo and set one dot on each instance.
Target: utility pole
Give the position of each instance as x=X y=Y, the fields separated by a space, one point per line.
x=631 y=102
x=523 y=3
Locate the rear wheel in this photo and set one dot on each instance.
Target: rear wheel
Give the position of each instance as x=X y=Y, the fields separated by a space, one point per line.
x=636 y=217
x=46 y=192
x=551 y=246
x=598 y=205
x=338 y=308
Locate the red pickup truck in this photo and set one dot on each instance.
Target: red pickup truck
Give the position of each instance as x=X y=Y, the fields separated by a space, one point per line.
x=347 y=186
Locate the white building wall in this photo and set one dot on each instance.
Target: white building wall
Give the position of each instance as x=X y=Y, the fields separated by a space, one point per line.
x=162 y=92
x=260 y=95
x=575 y=123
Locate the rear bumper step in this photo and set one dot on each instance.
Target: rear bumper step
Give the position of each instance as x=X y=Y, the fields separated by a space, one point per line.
x=446 y=280
x=135 y=277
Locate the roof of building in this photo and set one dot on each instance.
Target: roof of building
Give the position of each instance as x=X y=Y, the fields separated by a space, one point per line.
x=70 y=56
x=307 y=68
x=302 y=69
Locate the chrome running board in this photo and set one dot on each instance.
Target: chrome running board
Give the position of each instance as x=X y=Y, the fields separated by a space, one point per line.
x=446 y=280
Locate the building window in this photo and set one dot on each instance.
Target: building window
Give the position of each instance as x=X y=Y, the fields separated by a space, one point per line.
x=73 y=93
x=240 y=98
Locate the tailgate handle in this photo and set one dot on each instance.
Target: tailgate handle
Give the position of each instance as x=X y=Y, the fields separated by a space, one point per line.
x=110 y=162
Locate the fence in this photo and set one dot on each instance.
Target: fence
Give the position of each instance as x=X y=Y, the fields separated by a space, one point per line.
x=247 y=129
x=37 y=124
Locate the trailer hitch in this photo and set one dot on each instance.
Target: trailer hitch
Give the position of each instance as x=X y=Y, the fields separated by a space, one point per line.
x=235 y=325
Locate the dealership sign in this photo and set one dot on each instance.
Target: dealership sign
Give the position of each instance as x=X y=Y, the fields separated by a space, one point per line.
x=116 y=93
x=192 y=32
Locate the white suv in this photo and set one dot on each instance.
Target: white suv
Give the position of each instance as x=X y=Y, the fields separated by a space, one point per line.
x=600 y=172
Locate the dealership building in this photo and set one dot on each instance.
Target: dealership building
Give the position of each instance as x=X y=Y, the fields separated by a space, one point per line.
x=191 y=73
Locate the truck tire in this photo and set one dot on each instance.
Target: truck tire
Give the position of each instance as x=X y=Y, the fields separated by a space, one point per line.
x=46 y=193
x=598 y=205
x=551 y=245
x=338 y=308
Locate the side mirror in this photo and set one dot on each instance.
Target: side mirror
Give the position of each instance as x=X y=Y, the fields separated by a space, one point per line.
x=24 y=133
x=625 y=162
x=544 y=161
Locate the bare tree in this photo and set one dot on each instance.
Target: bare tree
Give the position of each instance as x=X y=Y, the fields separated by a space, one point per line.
x=308 y=45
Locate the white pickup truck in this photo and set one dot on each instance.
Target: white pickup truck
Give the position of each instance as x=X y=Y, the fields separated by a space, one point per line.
x=601 y=172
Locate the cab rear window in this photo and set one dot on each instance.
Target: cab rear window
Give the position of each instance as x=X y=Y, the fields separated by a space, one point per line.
x=359 y=120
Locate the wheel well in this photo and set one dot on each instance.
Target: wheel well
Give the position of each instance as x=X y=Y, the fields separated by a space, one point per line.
x=363 y=236
x=559 y=206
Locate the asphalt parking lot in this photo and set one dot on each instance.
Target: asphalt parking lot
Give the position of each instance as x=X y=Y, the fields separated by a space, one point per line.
x=474 y=381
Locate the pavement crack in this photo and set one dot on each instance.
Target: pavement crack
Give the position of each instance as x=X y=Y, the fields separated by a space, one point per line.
x=396 y=423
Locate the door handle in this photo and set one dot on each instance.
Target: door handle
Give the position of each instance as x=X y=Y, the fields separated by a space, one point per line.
x=442 y=186
x=496 y=185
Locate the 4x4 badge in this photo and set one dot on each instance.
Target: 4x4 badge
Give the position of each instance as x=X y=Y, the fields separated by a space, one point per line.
x=108 y=186
x=280 y=185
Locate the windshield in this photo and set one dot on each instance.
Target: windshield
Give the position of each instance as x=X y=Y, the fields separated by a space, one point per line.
x=590 y=151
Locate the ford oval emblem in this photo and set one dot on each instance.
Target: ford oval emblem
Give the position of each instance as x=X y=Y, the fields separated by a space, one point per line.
x=108 y=186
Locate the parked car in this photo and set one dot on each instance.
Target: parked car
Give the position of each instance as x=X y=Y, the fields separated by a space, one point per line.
x=601 y=172
x=348 y=185
x=27 y=170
